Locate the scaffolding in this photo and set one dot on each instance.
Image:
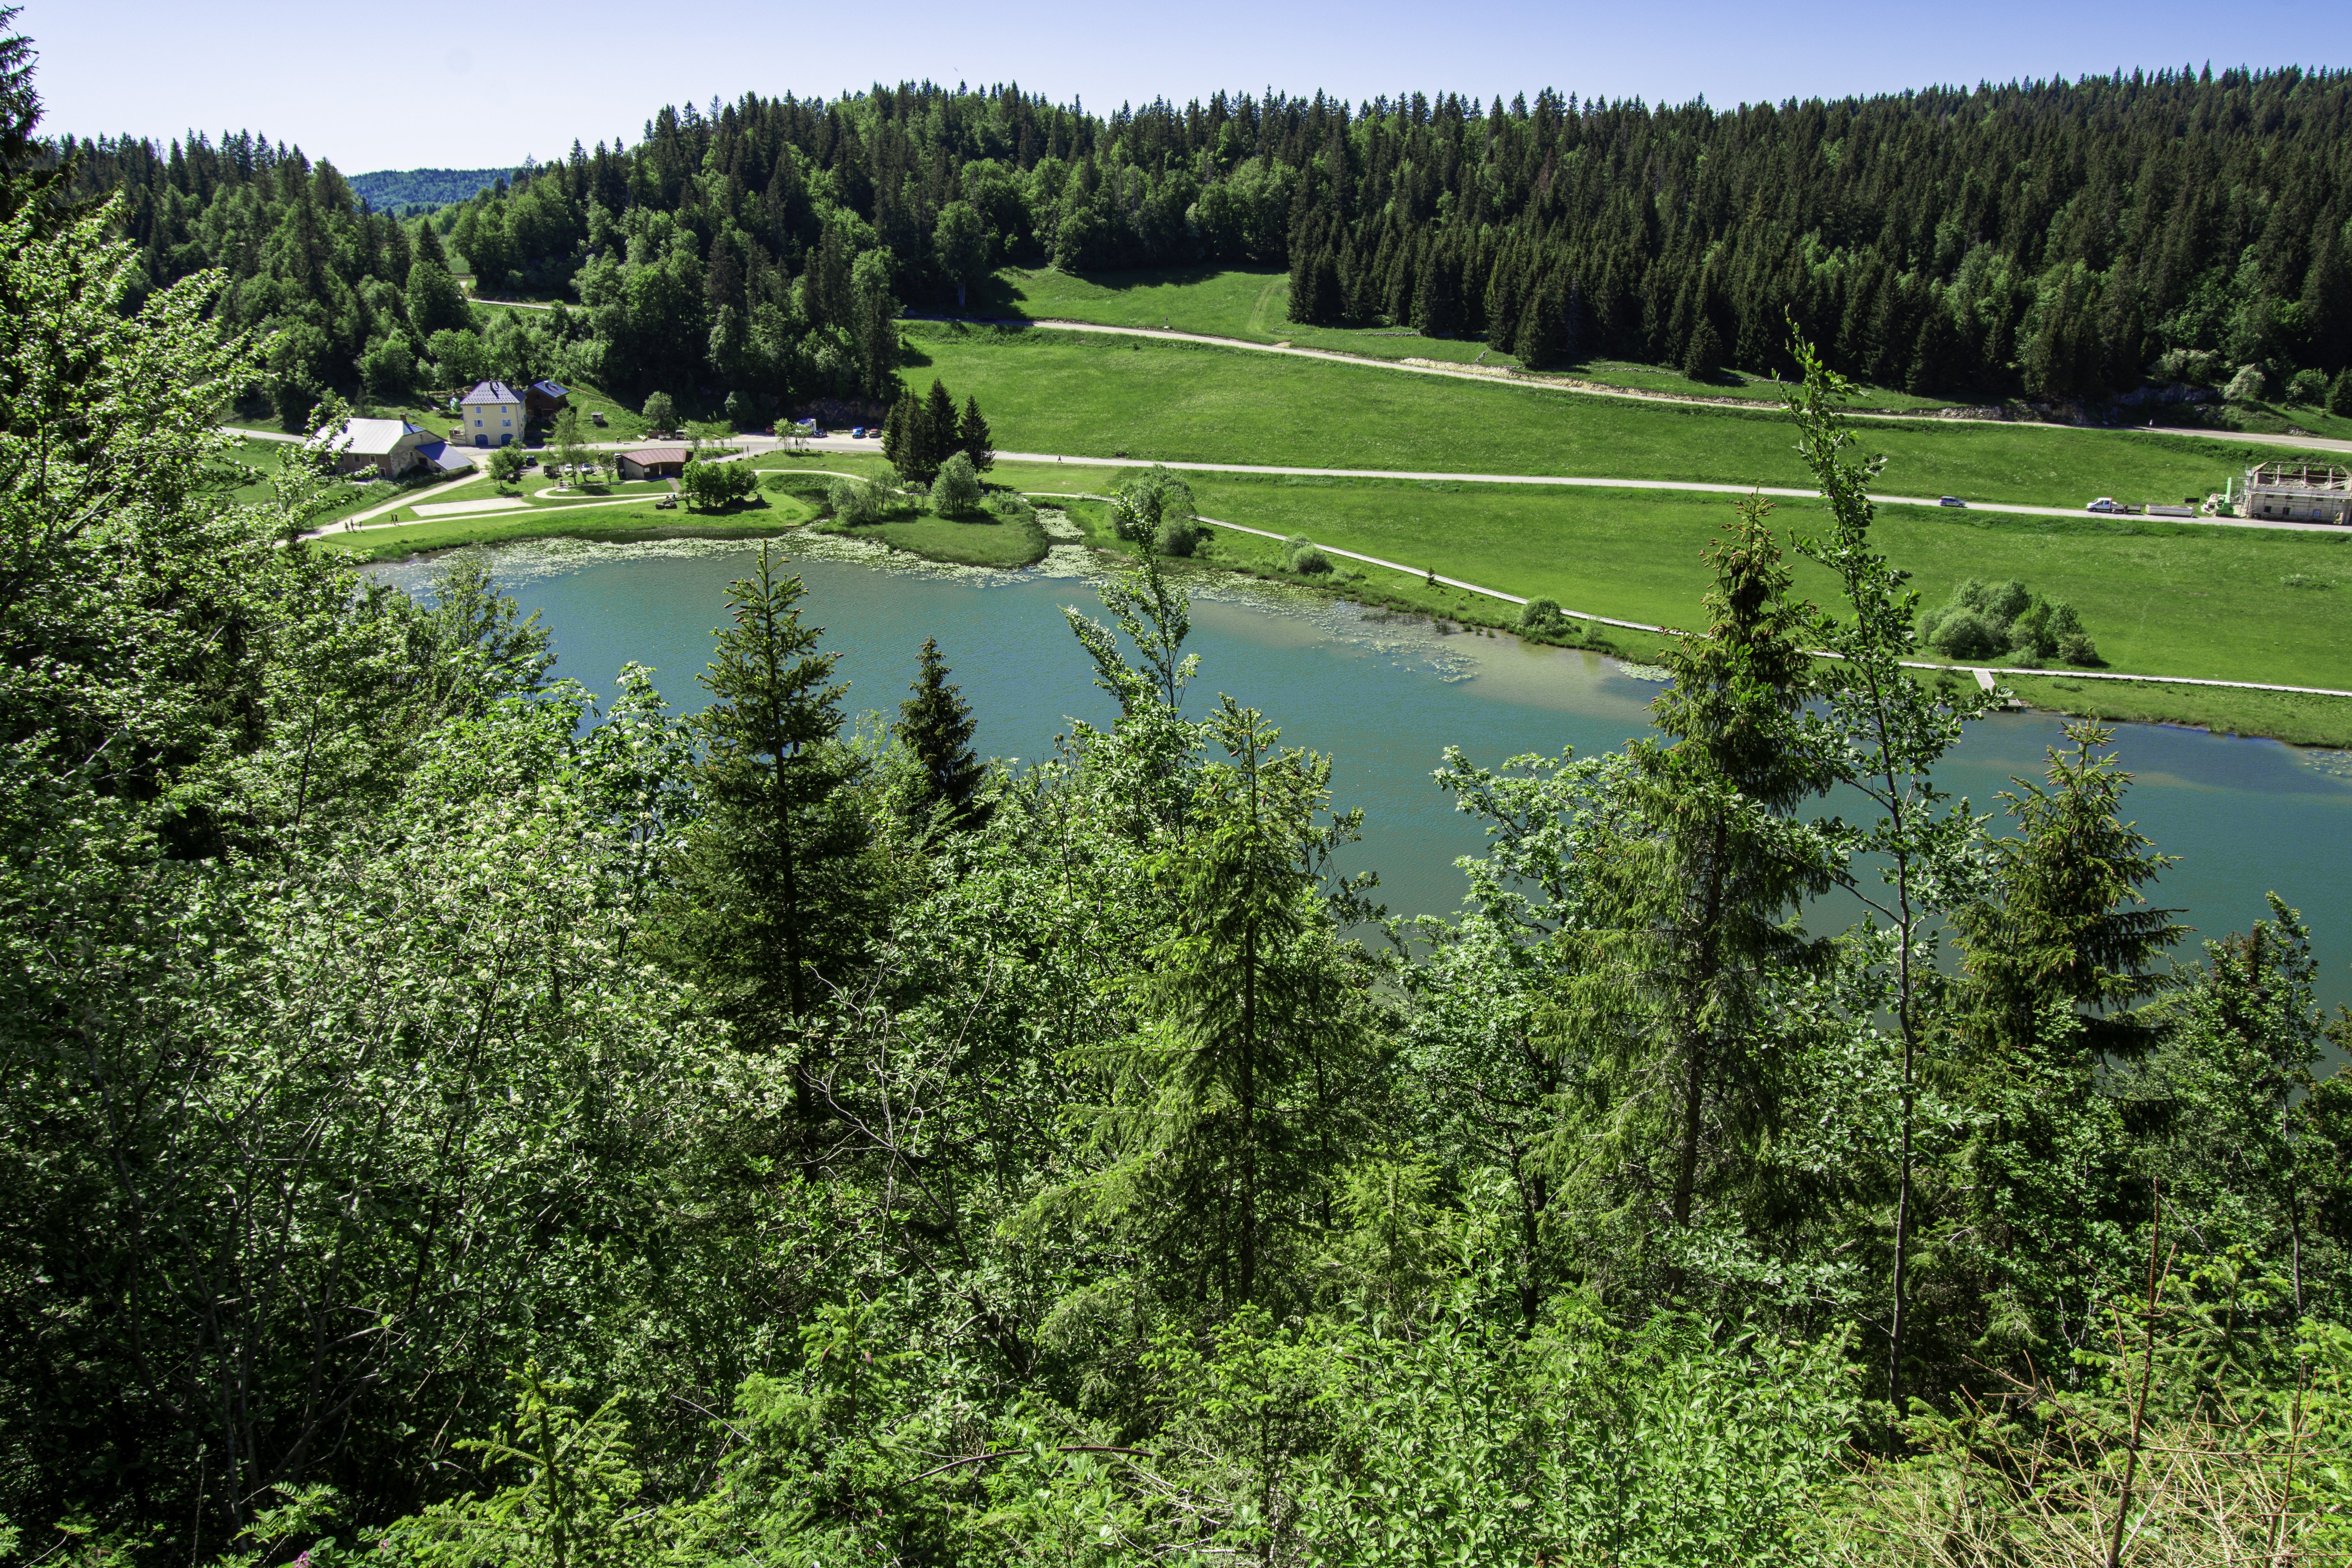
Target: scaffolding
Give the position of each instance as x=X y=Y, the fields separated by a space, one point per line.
x=2299 y=492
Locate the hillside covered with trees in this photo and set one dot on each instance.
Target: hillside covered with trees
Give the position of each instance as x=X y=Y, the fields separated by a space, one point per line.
x=453 y=1114
x=2059 y=240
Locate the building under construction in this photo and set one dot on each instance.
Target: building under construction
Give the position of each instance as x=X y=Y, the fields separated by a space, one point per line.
x=2299 y=492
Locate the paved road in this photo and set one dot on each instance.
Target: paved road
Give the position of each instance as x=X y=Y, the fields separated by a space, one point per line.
x=1579 y=482
x=761 y=446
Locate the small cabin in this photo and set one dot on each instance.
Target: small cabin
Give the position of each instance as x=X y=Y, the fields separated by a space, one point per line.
x=544 y=400
x=653 y=463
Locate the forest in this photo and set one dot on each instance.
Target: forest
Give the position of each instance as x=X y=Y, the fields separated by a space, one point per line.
x=2165 y=236
x=454 y=1114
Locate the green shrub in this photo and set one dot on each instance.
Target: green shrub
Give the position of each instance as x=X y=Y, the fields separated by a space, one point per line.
x=2248 y=385
x=1178 y=536
x=2339 y=395
x=1984 y=621
x=956 y=491
x=1540 y=615
x=1309 y=561
x=2076 y=648
x=2307 y=387
x=1963 y=633
x=1012 y=506
x=711 y=485
x=853 y=501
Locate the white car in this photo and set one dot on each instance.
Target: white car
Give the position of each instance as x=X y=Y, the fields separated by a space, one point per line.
x=2104 y=503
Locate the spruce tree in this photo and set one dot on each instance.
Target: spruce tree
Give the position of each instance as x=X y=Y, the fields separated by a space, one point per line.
x=1242 y=1077
x=1701 y=895
x=939 y=428
x=906 y=442
x=2057 y=958
x=938 y=725
x=1702 y=359
x=972 y=437
x=771 y=894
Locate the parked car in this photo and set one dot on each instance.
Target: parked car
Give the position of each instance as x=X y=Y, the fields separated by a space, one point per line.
x=858 y=432
x=1951 y=500
x=2104 y=503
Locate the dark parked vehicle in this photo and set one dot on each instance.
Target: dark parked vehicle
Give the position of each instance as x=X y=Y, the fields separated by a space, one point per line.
x=1951 y=500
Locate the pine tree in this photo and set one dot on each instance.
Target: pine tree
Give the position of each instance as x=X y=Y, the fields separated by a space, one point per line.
x=973 y=439
x=938 y=726
x=938 y=429
x=2055 y=959
x=771 y=892
x=1244 y=1072
x=1702 y=894
x=1702 y=359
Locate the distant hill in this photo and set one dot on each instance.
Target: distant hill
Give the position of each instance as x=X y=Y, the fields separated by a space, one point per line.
x=423 y=188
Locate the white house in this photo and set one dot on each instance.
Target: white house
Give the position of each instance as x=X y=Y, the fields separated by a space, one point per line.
x=389 y=446
x=490 y=415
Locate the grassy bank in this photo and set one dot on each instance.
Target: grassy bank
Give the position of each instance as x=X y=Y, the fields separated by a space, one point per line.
x=612 y=525
x=2279 y=715
x=1157 y=401
x=960 y=542
x=2159 y=599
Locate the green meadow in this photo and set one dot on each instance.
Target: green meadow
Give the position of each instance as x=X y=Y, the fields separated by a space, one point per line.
x=1159 y=400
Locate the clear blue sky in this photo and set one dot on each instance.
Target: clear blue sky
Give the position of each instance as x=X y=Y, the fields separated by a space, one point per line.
x=375 y=87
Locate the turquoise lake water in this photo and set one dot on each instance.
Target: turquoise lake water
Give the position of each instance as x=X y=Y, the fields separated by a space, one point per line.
x=1383 y=699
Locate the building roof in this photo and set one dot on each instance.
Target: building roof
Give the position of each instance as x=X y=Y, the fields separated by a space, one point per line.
x=367 y=437
x=439 y=454
x=649 y=456
x=492 y=392
x=2292 y=475
x=549 y=389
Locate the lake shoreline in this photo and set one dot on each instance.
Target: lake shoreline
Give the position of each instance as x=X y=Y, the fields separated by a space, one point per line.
x=2303 y=721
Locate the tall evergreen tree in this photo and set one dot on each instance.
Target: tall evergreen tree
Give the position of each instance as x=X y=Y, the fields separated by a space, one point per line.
x=974 y=439
x=771 y=890
x=1240 y=1077
x=938 y=726
x=1700 y=898
x=939 y=426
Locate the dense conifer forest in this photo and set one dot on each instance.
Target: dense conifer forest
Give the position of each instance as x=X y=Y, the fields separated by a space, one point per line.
x=451 y=1114
x=2059 y=240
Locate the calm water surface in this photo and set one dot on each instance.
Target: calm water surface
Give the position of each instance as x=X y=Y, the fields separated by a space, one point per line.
x=2245 y=817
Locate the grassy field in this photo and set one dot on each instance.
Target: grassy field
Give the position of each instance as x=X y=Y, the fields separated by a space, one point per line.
x=2280 y=715
x=1229 y=302
x=2159 y=599
x=614 y=525
x=339 y=502
x=976 y=541
x=1068 y=392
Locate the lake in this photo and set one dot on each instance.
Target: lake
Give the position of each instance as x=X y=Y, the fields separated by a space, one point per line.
x=1383 y=699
